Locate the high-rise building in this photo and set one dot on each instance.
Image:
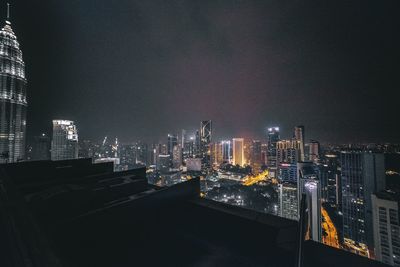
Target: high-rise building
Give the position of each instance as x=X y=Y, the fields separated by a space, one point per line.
x=205 y=141
x=187 y=144
x=362 y=174
x=226 y=151
x=171 y=142
x=288 y=200
x=329 y=175
x=163 y=163
x=177 y=157
x=255 y=156
x=287 y=173
x=216 y=153
x=197 y=145
x=154 y=152
x=264 y=152
x=272 y=138
x=41 y=147
x=127 y=155
x=309 y=185
x=314 y=151
x=238 y=151
x=300 y=136
x=13 y=103
x=288 y=151
x=287 y=156
x=141 y=153
x=386 y=226
x=64 y=144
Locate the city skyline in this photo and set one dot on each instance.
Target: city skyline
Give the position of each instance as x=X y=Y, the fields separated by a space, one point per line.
x=157 y=71
x=158 y=108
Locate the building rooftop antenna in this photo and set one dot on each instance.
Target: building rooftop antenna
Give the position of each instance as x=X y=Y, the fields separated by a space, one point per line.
x=8 y=11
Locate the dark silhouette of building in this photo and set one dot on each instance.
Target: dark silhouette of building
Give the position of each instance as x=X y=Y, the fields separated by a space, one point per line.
x=75 y=213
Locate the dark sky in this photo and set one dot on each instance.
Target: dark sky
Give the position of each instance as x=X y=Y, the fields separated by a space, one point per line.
x=141 y=69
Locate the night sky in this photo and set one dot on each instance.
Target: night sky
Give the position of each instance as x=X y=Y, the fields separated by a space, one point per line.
x=142 y=69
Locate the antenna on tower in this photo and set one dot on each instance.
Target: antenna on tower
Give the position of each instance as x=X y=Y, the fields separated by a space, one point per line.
x=8 y=11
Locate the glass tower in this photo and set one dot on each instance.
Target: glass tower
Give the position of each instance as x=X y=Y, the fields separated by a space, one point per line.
x=273 y=138
x=65 y=140
x=13 y=102
x=363 y=174
x=205 y=141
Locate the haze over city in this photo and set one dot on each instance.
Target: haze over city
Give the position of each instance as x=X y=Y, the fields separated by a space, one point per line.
x=142 y=69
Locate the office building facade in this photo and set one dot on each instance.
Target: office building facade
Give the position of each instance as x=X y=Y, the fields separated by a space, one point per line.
x=64 y=144
x=362 y=174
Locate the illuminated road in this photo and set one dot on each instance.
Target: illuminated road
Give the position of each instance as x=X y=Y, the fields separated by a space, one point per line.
x=332 y=238
x=252 y=179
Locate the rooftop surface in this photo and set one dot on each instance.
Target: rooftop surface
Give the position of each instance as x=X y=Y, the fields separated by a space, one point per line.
x=73 y=213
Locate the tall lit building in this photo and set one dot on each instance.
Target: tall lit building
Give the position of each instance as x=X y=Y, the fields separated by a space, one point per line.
x=255 y=156
x=362 y=174
x=13 y=103
x=187 y=145
x=141 y=153
x=238 y=151
x=330 y=179
x=309 y=185
x=300 y=136
x=386 y=226
x=177 y=157
x=264 y=152
x=288 y=207
x=197 y=145
x=226 y=151
x=163 y=163
x=314 y=150
x=287 y=156
x=205 y=141
x=64 y=144
x=288 y=151
x=272 y=138
x=171 y=142
x=216 y=153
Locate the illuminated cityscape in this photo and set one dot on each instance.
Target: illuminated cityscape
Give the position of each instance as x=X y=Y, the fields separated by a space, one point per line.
x=181 y=157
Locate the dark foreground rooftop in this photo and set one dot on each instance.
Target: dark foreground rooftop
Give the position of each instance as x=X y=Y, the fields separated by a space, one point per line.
x=74 y=213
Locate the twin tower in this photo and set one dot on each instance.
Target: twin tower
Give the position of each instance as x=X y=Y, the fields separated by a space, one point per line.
x=13 y=103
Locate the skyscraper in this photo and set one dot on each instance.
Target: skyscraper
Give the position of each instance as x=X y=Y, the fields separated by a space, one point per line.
x=238 y=151
x=386 y=225
x=287 y=156
x=330 y=179
x=163 y=163
x=171 y=142
x=288 y=151
x=363 y=173
x=216 y=153
x=64 y=144
x=226 y=151
x=288 y=201
x=300 y=135
x=309 y=184
x=272 y=138
x=205 y=140
x=314 y=150
x=255 y=158
x=177 y=157
x=13 y=101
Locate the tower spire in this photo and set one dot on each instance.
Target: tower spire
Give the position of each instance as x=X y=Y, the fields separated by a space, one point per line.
x=8 y=11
